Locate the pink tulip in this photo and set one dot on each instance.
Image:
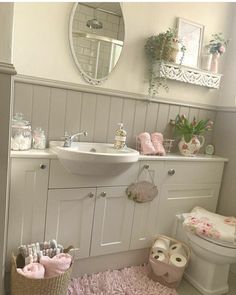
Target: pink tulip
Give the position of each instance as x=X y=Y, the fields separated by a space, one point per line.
x=221 y=49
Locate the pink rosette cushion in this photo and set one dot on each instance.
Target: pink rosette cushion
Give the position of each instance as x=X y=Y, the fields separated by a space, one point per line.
x=209 y=224
x=157 y=140
x=56 y=265
x=32 y=271
x=147 y=147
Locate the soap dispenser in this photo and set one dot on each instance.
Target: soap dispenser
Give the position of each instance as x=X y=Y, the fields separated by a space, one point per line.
x=120 y=137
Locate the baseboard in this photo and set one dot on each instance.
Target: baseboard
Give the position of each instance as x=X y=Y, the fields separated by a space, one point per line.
x=111 y=261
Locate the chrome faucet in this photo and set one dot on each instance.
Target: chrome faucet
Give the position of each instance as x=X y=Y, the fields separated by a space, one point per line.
x=70 y=138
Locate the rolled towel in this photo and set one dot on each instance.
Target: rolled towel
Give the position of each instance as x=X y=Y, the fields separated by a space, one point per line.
x=147 y=147
x=56 y=265
x=32 y=271
x=157 y=140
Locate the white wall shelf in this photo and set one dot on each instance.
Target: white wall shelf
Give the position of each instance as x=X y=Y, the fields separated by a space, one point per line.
x=186 y=74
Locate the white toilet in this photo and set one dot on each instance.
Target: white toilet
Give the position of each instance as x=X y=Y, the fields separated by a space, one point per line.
x=210 y=261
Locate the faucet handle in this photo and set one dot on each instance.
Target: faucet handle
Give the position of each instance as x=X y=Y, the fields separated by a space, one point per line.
x=66 y=136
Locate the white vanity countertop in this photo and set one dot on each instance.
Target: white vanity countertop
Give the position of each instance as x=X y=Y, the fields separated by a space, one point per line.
x=49 y=154
x=41 y=154
x=178 y=157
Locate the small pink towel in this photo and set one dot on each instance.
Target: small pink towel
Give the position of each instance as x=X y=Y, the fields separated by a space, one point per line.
x=56 y=265
x=147 y=147
x=32 y=271
x=157 y=140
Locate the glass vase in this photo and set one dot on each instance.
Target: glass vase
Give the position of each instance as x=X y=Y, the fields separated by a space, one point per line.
x=215 y=62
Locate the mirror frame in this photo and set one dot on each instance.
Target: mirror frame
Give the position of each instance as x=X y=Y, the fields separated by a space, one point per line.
x=84 y=75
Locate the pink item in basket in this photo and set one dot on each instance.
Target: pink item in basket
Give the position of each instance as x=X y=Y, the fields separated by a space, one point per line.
x=56 y=265
x=147 y=147
x=32 y=271
x=157 y=140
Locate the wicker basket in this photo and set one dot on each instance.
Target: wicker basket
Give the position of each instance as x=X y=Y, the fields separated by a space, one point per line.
x=21 y=285
x=172 y=274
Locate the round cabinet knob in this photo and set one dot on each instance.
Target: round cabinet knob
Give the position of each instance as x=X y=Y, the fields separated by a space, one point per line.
x=103 y=194
x=91 y=195
x=42 y=166
x=171 y=172
x=146 y=166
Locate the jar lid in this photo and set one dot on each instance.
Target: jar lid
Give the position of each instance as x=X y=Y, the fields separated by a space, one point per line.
x=39 y=131
x=18 y=121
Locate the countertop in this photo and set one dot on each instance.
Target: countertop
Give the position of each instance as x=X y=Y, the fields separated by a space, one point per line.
x=49 y=154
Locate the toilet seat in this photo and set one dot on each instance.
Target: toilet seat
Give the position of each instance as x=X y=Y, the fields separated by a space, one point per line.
x=219 y=242
x=211 y=246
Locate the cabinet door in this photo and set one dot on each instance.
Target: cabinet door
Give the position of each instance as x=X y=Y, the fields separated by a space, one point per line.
x=144 y=224
x=70 y=217
x=28 y=198
x=182 y=198
x=145 y=214
x=112 y=221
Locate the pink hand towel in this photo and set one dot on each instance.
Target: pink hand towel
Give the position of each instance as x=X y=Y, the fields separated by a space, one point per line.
x=147 y=147
x=157 y=140
x=32 y=271
x=56 y=265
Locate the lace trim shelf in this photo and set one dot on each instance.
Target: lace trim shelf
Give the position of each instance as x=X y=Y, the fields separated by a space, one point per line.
x=187 y=74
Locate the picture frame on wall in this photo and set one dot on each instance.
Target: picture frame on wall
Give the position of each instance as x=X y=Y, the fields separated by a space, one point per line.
x=190 y=35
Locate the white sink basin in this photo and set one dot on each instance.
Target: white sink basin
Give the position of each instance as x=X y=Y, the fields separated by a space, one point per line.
x=88 y=158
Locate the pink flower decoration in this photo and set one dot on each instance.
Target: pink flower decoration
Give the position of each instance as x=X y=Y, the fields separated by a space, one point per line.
x=221 y=49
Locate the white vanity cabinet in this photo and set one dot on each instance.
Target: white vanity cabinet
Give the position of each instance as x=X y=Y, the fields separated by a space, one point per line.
x=28 y=201
x=70 y=217
x=95 y=215
x=113 y=218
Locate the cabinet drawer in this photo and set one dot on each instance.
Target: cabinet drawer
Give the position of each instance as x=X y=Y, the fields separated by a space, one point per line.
x=61 y=178
x=193 y=172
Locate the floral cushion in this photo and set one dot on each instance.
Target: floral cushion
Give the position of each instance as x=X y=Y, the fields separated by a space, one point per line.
x=214 y=226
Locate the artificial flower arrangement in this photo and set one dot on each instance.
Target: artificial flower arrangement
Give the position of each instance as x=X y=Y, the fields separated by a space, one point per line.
x=191 y=134
x=218 y=44
x=184 y=128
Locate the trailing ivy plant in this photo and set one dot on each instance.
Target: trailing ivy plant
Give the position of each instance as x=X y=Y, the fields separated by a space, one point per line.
x=161 y=48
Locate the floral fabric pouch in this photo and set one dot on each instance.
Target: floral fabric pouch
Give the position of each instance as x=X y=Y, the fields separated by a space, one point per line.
x=142 y=191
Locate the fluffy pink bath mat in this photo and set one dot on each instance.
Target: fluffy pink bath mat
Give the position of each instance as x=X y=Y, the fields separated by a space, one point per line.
x=128 y=281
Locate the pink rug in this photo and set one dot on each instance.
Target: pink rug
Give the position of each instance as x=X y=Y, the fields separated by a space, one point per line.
x=128 y=281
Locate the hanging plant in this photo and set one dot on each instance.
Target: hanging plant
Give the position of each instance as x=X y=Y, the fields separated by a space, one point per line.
x=161 y=48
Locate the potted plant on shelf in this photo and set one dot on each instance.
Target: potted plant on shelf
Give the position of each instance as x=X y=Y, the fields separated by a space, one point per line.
x=160 y=48
x=191 y=134
x=216 y=47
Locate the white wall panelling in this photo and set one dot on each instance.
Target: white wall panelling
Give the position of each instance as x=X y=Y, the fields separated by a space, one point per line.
x=57 y=113
x=58 y=110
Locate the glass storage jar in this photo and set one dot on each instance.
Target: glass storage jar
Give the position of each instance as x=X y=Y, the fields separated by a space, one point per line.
x=39 y=139
x=21 y=137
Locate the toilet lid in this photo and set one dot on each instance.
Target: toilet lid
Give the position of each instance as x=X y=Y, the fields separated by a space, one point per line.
x=219 y=242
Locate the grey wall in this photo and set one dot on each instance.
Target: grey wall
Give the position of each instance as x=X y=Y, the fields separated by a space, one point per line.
x=6 y=24
x=58 y=110
x=225 y=143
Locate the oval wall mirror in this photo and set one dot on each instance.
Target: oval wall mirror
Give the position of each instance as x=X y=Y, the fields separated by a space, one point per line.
x=96 y=35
